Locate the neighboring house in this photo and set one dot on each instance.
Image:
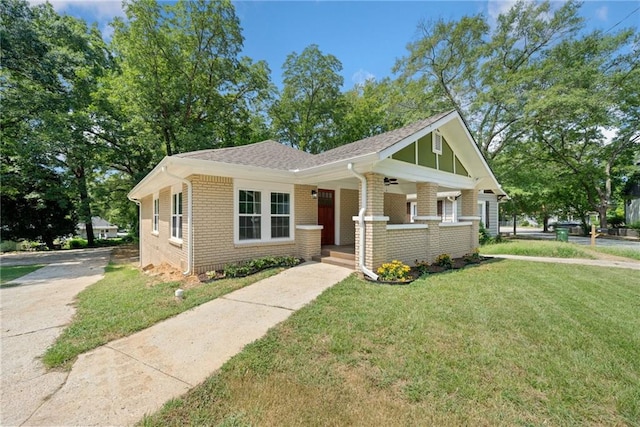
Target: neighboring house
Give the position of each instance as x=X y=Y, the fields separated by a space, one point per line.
x=450 y=203
x=102 y=229
x=631 y=194
x=632 y=204
x=204 y=209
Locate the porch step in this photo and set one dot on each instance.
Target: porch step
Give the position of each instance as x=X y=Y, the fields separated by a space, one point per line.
x=338 y=254
x=341 y=262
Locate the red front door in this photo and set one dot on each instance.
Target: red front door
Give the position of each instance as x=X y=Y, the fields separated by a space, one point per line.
x=326 y=215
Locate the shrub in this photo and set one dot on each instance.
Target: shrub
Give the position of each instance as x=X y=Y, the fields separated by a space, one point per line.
x=8 y=245
x=444 y=260
x=394 y=271
x=483 y=236
x=525 y=223
x=472 y=257
x=237 y=270
x=77 y=243
x=616 y=220
x=635 y=225
x=255 y=265
x=422 y=267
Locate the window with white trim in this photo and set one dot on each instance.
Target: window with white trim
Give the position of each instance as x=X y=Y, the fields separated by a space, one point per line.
x=156 y=215
x=263 y=212
x=176 y=216
x=250 y=217
x=280 y=211
x=482 y=212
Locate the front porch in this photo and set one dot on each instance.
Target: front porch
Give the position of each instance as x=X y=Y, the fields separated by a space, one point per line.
x=343 y=256
x=401 y=221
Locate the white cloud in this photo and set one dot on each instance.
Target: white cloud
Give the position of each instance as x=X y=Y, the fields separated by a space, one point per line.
x=602 y=13
x=362 y=76
x=90 y=10
x=608 y=134
x=496 y=8
x=101 y=12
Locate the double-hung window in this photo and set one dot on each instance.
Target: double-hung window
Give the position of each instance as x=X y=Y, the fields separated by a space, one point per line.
x=156 y=215
x=263 y=212
x=176 y=216
x=250 y=217
x=280 y=212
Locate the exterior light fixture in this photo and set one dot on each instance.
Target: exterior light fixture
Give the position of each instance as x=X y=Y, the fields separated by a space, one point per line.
x=314 y=194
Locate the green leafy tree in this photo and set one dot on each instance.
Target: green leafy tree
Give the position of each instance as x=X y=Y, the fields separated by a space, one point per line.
x=535 y=80
x=182 y=84
x=36 y=204
x=484 y=74
x=576 y=99
x=308 y=113
x=50 y=81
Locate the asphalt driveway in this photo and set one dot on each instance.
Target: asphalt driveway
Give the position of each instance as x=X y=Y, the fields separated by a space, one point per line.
x=32 y=315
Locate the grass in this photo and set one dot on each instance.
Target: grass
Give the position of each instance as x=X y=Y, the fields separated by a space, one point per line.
x=503 y=343
x=536 y=248
x=617 y=251
x=126 y=301
x=8 y=273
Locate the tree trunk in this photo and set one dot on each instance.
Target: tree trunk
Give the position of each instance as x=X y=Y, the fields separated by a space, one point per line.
x=602 y=213
x=545 y=223
x=85 y=204
x=515 y=217
x=48 y=240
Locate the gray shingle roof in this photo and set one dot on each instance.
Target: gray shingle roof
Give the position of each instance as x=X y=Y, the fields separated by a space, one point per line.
x=274 y=155
x=266 y=154
x=375 y=144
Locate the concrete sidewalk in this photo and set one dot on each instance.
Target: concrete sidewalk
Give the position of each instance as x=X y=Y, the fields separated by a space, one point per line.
x=117 y=384
x=633 y=265
x=33 y=313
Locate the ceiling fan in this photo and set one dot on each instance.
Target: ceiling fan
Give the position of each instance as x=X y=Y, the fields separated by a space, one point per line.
x=390 y=181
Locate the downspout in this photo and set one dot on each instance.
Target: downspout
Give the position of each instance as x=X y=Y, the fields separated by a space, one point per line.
x=189 y=218
x=363 y=209
x=137 y=202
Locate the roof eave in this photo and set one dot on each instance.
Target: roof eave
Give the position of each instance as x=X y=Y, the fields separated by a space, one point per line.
x=184 y=167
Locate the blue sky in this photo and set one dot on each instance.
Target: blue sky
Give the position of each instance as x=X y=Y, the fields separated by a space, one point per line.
x=366 y=36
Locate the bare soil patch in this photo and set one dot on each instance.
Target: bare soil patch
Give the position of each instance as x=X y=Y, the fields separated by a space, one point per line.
x=125 y=254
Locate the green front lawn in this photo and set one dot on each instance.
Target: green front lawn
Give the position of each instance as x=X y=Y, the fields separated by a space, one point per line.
x=126 y=301
x=503 y=343
x=536 y=248
x=8 y=273
x=618 y=251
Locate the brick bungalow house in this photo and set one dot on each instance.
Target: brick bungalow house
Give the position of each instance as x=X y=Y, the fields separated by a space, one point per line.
x=204 y=209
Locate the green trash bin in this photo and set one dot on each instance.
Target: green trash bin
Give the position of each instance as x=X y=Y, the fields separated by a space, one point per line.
x=562 y=234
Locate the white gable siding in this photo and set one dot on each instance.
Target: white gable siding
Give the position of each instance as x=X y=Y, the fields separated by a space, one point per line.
x=492 y=200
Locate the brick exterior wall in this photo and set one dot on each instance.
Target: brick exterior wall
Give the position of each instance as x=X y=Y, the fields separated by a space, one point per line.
x=156 y=248
x=469 y=202
x=470 y=208
x=349 y=207
x=427 y=193
x=456 y=241
x=375 y=231
x=433 y=236
x=407 y=245
x=308 y=243
x=306 y=207
x=376 y=239
x=213 y=228
x=395 y=207
x=375 y=194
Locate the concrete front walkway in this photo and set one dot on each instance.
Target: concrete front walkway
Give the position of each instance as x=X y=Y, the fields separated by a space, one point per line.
x=117 y=384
